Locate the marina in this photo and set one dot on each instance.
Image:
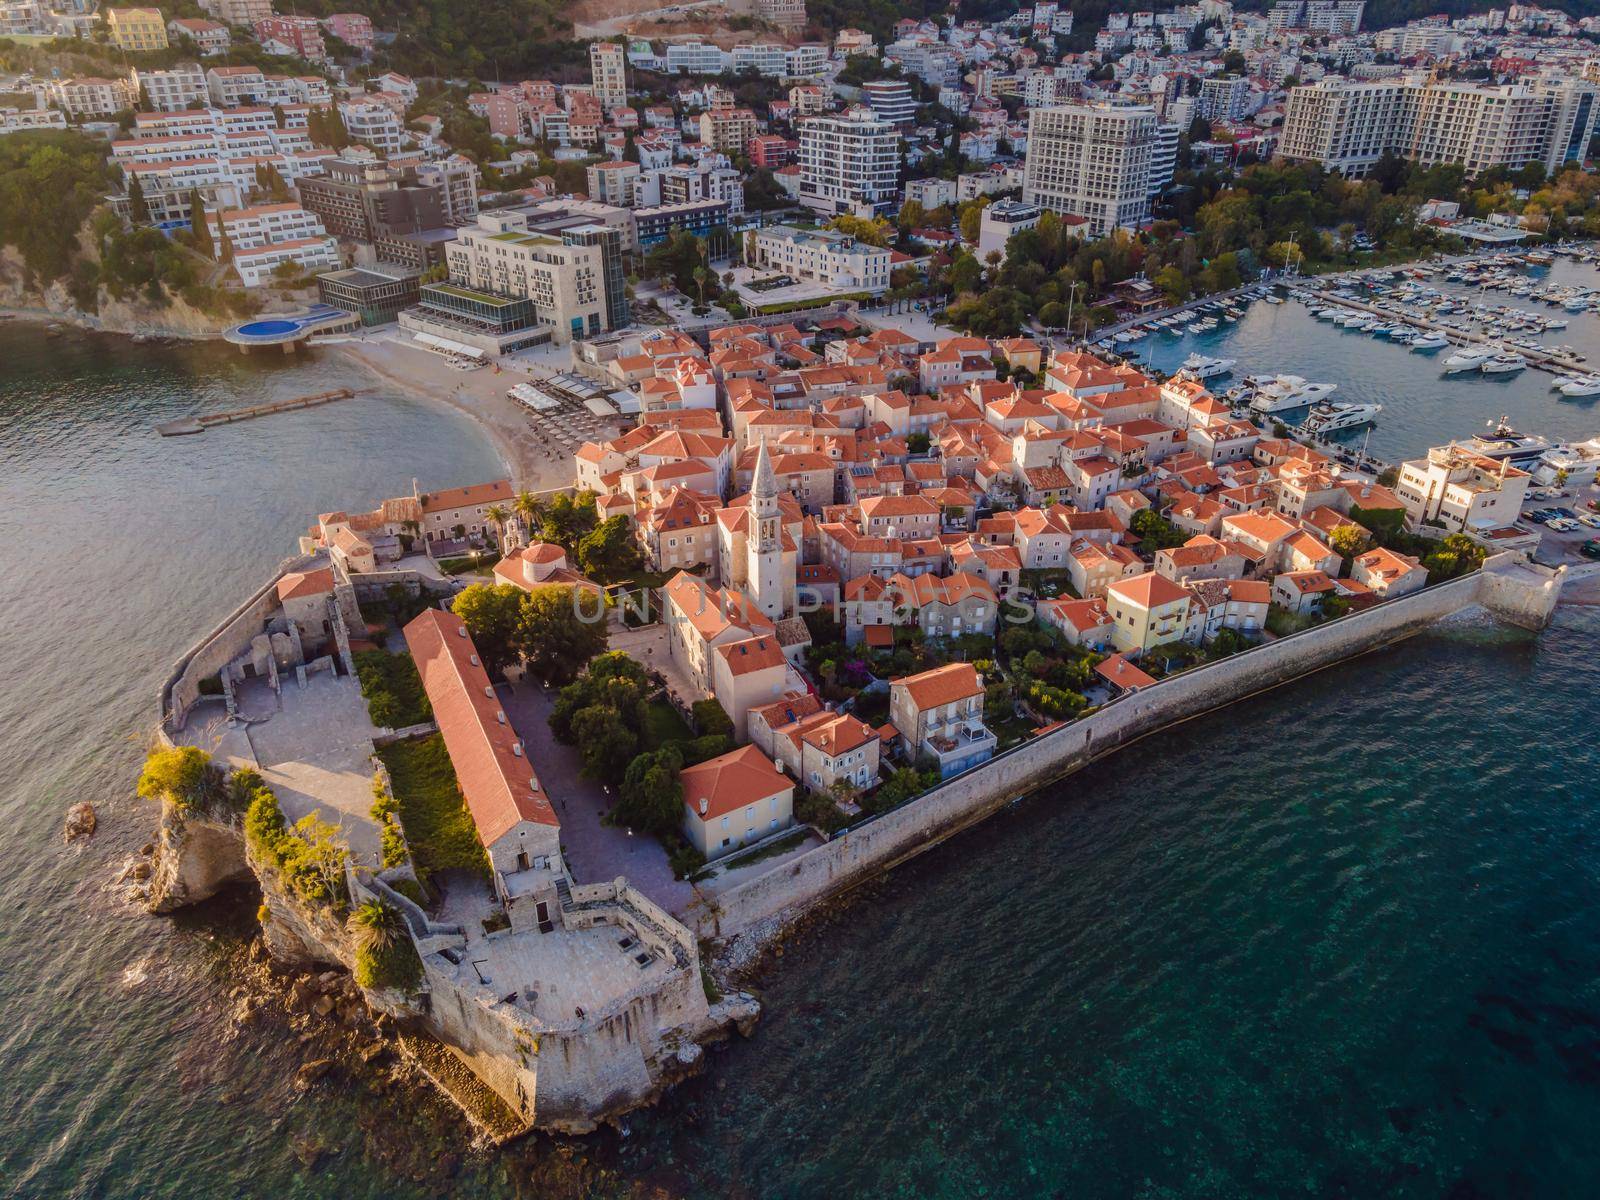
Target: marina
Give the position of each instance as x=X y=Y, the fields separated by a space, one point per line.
x=1397 y=375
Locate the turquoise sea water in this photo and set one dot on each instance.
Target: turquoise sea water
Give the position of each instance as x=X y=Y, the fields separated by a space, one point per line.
x=1336 y=941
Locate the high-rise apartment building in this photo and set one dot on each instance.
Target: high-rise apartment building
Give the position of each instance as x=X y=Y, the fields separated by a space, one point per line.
x=849 y=163
x=1348 y=126
x=608 y=69
x=1092 y=160
x=891 y=100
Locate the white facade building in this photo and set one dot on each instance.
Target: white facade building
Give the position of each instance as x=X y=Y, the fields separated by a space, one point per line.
x=834 y=260
x=849 y=163
x=1092 y=160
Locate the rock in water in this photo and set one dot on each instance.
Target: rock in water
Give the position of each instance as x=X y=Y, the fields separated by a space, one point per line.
x=81 y=821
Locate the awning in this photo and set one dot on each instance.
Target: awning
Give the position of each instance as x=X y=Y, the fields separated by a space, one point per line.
x=600 y=408
x=449 y=345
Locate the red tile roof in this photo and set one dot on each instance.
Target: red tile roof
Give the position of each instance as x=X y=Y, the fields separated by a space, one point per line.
x=496 y=778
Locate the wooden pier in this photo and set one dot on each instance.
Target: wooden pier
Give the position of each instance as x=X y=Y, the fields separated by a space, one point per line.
x=1556 y=364
x=201 y=423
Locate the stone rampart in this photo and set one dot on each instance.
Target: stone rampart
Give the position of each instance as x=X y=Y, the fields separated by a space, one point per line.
x=231 y=638
x=785 y=891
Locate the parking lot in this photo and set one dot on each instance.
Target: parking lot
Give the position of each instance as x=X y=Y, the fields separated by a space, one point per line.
x=1567 y=520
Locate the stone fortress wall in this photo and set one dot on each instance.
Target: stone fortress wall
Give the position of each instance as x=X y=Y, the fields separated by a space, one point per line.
x=1506 y=587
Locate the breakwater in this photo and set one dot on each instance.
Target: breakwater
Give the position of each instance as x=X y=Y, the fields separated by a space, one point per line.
x=204 y=421
x=1506 y=587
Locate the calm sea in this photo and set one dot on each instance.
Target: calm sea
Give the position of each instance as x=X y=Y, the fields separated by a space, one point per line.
x=1337 y=941
x=1422 y=406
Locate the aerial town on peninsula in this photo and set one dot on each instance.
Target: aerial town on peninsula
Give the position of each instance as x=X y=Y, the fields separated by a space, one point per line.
x=843 y=500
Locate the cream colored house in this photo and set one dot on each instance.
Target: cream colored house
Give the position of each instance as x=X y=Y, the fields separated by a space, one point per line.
x=750 y=672
x=1146 y=610
x=1461 y=490
x=733 y=800
x=825 y=747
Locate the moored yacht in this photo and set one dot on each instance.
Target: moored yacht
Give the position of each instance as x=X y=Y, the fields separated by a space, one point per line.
x=1580 y=385
x=1279 y=393
x=1328 y=417
x=1503 y=364
x=1202 y=367
x=1429 y=340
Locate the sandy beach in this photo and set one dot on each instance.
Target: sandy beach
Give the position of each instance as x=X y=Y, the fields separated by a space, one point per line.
x=534 y=463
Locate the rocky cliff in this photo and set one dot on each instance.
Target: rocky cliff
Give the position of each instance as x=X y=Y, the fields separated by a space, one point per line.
x=195 y=858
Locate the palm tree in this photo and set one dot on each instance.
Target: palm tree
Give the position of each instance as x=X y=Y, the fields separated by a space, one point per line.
x=497 y=514
x=527 y=507
x=700 y=277
x=377 y=926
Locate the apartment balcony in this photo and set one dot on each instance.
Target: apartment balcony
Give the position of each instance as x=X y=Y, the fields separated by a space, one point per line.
x=960 y=747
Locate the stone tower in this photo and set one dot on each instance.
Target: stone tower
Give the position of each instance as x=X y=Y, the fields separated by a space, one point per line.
x=764 y=541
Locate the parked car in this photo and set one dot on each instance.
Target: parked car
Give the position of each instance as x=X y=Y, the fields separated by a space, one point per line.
x=1590 y=549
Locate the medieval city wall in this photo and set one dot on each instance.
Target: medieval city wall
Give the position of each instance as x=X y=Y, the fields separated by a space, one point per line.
x=1525 y=597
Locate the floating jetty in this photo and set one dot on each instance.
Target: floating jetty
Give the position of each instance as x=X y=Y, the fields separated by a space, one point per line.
x=1556 y=364
x=204 y=422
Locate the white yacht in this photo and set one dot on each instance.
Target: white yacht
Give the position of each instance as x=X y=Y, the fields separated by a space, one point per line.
x=1469 y=358
x=1202 y=367
x=1327 y=417
x=1280 y=393
x=1574 y=464
x=1504 y=364
x=1580 y=385
x=1429 y=340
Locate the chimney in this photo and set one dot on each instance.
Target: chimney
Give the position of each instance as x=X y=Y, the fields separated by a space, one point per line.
x=703 y=806
x=516 y=748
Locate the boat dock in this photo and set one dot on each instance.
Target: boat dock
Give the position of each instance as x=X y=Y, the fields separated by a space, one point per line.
x=1556 y=364
x=201 y=423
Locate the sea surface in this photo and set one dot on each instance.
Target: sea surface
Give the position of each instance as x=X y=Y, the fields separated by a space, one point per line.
x=1422 y=406
x=1339 y=940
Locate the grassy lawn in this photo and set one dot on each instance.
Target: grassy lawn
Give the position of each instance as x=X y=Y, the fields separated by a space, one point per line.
x=392 y=689
x=1011 y=731
x=663 y=724
x=468 y=564
x=432 y=812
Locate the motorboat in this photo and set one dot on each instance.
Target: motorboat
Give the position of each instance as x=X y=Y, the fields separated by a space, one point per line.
x=1327 y=417
x=1569 y=464
x=1504 y=364
x=1280 y=393
x=1580 y=385
x=1202 y=367
x=1469 y=358
x=1503 y=443
x=1429 y=340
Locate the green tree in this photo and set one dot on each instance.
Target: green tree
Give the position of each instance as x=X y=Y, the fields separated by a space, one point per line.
x=567 y=518
x=493 y=615
x=386 y=957
x=651 y=796
x=198 y=227
x=873 y=231
x=604 y=741
x=608 y=552
x=182 y=774
x=138 y=210
x=1155 y=532
x=612 y=680
x=560 y=630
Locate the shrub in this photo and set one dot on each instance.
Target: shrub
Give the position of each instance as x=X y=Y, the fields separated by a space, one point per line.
x=430 y=809
x=710 y=717
x=386 y=957
x=309 y=855
x=181 y=775
x=392 y=689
